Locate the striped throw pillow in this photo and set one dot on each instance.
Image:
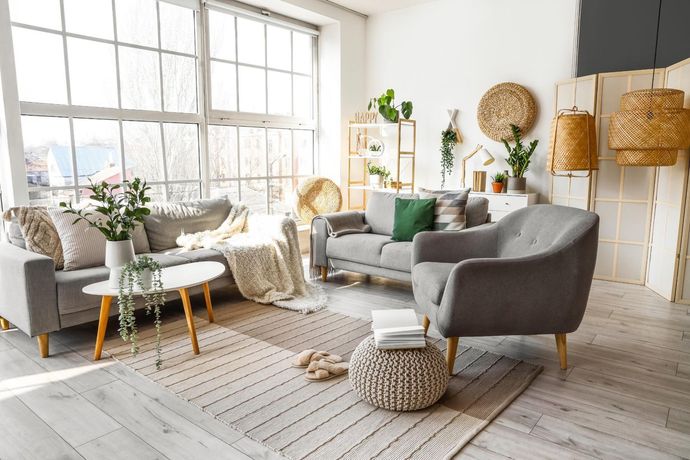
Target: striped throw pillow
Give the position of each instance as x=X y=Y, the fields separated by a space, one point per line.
x=449 y=214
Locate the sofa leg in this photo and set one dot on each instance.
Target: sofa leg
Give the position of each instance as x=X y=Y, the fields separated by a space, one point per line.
x=4 y=324
x=425 y=324
x=324 y=274
x=451 y=351
x=43 y=345
x=562 y=347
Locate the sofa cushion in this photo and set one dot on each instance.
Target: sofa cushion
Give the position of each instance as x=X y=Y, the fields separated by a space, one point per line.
x=70 y=283
x=477 y=211
x=380 y=211
x=37 y=232
x=412 y=217
x=449 y=214
x=430 y=279
x=15 y=236
x=363 y=248
x=198 y=255
x=167 y=221
x=397 y=256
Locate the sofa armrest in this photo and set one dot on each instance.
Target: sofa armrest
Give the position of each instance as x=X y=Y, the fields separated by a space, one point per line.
x=29 y=293
x=452 y=247
x=319 y=237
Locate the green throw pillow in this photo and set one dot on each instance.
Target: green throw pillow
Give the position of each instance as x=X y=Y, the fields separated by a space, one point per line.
x=412 y=217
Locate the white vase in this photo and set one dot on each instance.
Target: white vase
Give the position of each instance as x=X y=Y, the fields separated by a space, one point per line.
x=375 y=180
x=146 y=280
x=117 y=255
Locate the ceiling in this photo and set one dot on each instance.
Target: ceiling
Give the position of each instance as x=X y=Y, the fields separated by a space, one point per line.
x=369 y=7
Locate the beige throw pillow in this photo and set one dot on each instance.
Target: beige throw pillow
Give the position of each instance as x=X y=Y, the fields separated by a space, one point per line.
x=39 y=232
x=84 y=246
x=449 y=214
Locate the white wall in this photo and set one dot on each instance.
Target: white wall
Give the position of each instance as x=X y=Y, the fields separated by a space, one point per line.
x=447 y=53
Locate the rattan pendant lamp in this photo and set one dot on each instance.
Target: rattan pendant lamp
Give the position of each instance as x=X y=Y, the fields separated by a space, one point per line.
x=652 y=124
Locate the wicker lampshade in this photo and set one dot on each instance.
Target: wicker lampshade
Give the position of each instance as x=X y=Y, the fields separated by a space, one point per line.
x=650 y=128
x=573 y=145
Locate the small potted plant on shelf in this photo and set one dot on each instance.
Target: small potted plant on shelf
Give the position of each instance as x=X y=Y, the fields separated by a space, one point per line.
x=377 y=175
x=518 y=159
x=121 y=208
x=385 y=104
x=142 y=274
x=497 y=182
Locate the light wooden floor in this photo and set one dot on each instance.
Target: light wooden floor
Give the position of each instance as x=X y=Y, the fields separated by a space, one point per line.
x=626 y=393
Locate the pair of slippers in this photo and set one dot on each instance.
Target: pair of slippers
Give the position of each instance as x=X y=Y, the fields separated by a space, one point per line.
x=320 y=365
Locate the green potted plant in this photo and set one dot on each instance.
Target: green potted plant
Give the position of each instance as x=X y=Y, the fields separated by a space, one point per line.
x=519 y=158
x=385 y=104
x=497 y=182
x=121 y=209
x=449 y=139
x=377 y=174
x=141 y=274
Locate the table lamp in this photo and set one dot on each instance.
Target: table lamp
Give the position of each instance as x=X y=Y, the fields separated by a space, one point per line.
x=485 y=156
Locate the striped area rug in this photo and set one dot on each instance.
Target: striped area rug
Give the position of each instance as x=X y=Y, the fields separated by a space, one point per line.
x=244 y=378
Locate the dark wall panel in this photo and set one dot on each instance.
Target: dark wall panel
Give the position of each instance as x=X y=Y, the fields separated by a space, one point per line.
x=620 y=34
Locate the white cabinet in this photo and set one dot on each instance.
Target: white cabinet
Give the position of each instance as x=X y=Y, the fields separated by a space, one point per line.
x=501 y=204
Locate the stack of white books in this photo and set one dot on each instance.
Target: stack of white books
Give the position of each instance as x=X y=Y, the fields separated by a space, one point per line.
x=397 y=329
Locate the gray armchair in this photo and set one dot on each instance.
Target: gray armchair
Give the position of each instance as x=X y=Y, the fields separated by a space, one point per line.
x=530 y=273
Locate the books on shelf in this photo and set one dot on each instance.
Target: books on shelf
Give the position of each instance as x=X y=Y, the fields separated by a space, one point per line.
x=397 y=329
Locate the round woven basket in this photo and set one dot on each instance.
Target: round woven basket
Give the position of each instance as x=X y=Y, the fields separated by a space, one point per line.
x=505 y=104
x=573 y=145
x=316 y=195
x=400 y=380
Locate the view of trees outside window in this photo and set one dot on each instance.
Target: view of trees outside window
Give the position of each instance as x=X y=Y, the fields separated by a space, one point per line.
x=121 y=101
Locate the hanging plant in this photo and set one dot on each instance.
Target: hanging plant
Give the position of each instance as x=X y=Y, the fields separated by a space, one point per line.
x=449 y=139
x=144 y=273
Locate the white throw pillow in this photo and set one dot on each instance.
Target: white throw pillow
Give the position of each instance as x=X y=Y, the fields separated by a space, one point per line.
x=83 y=246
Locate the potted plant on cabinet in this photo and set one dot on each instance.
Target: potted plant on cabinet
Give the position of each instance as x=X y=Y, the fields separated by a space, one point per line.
x=121 y=208
x=519 y=158
x=377 y=174
x=497 y=182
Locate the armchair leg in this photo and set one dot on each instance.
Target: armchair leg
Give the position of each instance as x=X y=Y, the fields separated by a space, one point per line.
x=4 y=324
x=451 y=351
x=562 y=350
x=425 y=324
x=324 y=274
x=43 y=345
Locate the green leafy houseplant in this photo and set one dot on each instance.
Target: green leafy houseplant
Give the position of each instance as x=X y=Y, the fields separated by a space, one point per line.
x=519 y=157
x=385 y=104
x=449 y=139
x=142 y=273
x=498 y=177
x=123 y=208
x=376 y=170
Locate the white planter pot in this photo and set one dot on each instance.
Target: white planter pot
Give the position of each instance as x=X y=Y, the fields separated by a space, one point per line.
x=375 y=180
x=146 y=281
x=117 y=254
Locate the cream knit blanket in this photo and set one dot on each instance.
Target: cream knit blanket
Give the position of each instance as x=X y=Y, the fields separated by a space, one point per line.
x=264 y=257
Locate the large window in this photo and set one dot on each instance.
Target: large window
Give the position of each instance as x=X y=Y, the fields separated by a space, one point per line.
x=110 y=89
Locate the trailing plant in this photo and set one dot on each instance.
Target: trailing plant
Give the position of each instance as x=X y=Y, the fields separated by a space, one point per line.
x=449 y=139
x=123 y=208
x=385 y=104
x=131 y=279
x=519 y=157
x=376 y=170
x=498 y=177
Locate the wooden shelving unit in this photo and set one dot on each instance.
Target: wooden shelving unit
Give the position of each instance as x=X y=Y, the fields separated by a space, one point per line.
x=399 y=155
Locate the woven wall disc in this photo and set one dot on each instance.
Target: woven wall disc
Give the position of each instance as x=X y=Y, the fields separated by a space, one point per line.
x=316 y=195
x=503 y=105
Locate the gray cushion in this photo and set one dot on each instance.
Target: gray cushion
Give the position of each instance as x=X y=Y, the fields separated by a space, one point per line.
x=397 y=256
x=364 y=248
x=429 y=278
x=380 y=211
x=168 y=220
x=198 y=255
x=477 y=211
x=15 y=235
x=70 y=283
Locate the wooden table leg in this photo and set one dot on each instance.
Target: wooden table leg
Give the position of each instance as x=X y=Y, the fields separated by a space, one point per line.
x=102 y=326
x=184 y=293
x=209 y=306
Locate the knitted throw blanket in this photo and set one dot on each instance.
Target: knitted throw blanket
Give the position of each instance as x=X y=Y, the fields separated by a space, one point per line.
x=264 y=257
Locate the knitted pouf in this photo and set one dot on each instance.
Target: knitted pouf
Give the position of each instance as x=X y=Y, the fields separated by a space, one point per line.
x=399 y=380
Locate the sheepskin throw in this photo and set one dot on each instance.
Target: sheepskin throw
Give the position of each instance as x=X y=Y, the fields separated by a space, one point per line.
x=39 y=232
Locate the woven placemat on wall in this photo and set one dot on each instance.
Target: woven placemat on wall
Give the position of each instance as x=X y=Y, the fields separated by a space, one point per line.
x=505 y=104
x=316 y=195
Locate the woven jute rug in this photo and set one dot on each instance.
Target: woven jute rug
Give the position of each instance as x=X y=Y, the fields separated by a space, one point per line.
x=244 y=378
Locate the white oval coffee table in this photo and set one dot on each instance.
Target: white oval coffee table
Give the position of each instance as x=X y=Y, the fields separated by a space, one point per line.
x=178 y=278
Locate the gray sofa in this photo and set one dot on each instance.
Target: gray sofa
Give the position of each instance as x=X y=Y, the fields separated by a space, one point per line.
x=375 y=253
x=38 y=300
x=530 y=273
